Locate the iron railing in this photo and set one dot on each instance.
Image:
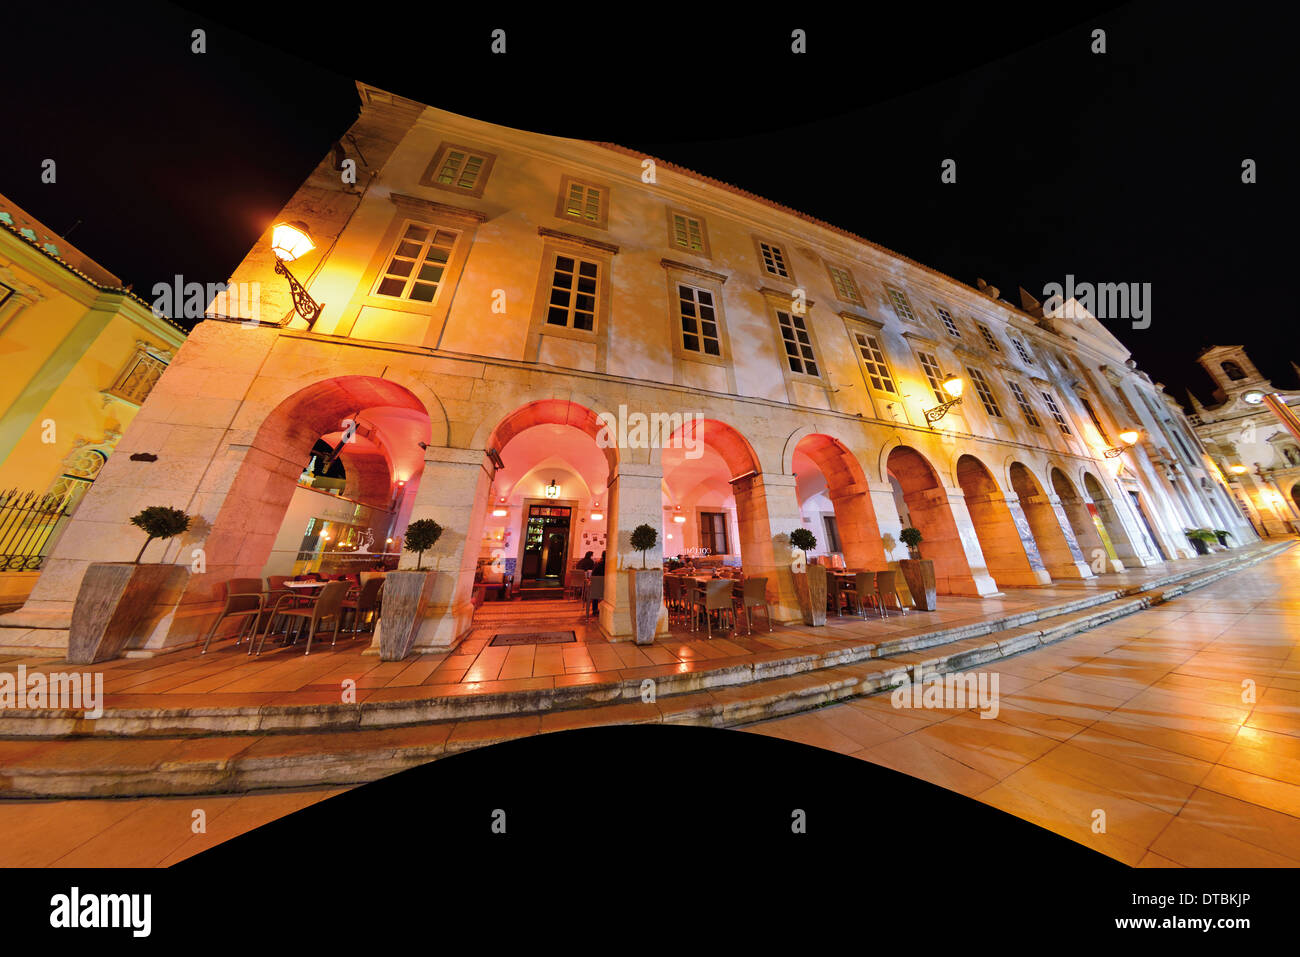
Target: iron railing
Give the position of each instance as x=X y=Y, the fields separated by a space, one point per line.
x=28 y=522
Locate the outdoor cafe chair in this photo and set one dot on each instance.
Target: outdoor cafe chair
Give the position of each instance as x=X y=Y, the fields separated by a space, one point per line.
x=365 y=603
x=715 y=596
x=327 y=606
x=244 y=601
x=863 y=591
x=753 y=595
x=595 y=592
x=886 y=585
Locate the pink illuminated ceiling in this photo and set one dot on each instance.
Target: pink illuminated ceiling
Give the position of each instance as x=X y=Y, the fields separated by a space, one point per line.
x=568 y=454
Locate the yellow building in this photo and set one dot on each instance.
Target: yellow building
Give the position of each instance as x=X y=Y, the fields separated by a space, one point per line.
x=80 y=354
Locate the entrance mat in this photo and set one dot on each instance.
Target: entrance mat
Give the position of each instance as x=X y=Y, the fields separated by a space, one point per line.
x=534 y=638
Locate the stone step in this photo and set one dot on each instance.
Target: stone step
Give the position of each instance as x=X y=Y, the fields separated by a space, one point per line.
x=417 y=705
x=231 y=763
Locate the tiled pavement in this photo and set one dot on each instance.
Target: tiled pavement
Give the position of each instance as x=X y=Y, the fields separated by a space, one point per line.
x=1141 y=718
x=227 y=677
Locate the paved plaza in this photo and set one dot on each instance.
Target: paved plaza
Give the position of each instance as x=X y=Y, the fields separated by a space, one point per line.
x=1142 y=718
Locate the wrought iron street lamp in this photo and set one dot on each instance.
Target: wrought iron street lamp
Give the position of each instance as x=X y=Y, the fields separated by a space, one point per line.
x=1129 y=438
x=952 y=385
x=290 y=241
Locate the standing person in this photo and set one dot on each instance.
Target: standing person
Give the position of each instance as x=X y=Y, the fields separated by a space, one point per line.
x=586 y=562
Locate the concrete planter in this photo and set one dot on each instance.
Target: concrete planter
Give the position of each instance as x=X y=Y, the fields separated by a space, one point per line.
x=114 y=600
x=646 y=587
x=406 y=596
x=811 y=589
x=919 y=575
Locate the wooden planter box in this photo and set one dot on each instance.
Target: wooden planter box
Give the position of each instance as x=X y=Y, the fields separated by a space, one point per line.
x=811 y=589
x=646 y=587
x=919 y=575
x=114 y=598
x=406 y=596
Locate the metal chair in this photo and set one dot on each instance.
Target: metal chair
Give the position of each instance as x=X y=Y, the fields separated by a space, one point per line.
x=715 y=596
x=573 y=584
x=244 y=600
x=595 y=592
x=365 y=603
x=327 y=605
x=887 y=584
x=754 y=594
x=863 y=591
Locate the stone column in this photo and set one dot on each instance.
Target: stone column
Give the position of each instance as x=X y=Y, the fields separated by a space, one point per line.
x=886 y=509
x=767 y=508
x=950 y=541
x=1010 y=551
x=635 y=498
x=1056 y=543
x=454 y=490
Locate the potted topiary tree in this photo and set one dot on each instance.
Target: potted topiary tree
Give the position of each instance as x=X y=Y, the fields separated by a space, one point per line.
x=406 y=593
x=1197 y=537
x=809 y=579
x=1222 y=535
x=421 y=535
x=918 y=572
x=646 y=586
x=116 y=597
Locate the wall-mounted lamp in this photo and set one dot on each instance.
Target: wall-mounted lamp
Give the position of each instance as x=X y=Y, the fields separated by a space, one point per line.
x=552 y=490
x=500 y=512
x=1129 y=438
x=290 y=241
x=952 y=385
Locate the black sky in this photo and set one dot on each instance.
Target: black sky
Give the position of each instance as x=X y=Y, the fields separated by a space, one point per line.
x=1122 y=167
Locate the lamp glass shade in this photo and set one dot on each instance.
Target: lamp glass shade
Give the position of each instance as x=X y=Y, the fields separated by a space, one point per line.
x=552 y=490
x=953 y=386
x=289 y=241
x=1130 y=437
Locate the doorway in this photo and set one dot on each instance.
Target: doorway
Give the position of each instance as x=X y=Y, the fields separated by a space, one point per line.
x=546 y=546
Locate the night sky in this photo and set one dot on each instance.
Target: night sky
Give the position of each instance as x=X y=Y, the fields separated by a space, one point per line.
x=1122 y=167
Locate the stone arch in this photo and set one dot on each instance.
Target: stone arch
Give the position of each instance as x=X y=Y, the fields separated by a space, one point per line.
x=1050 y=528
x=928 y=507
x=439 y=423
x=850 y=496
x=1010 y=552
x=1097 y=551
x=254 y=505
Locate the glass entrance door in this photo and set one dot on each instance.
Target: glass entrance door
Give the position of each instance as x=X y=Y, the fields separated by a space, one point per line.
x=546 y=544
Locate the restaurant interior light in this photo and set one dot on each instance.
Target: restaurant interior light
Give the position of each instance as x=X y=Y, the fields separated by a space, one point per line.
x=500 y=512
x=679 y=519
x=290 y=241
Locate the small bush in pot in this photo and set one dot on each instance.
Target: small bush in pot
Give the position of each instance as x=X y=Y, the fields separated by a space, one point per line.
x=159 y=521
x=644 y=538
x=911 y=537
x=803 y=539
x=421 y=535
